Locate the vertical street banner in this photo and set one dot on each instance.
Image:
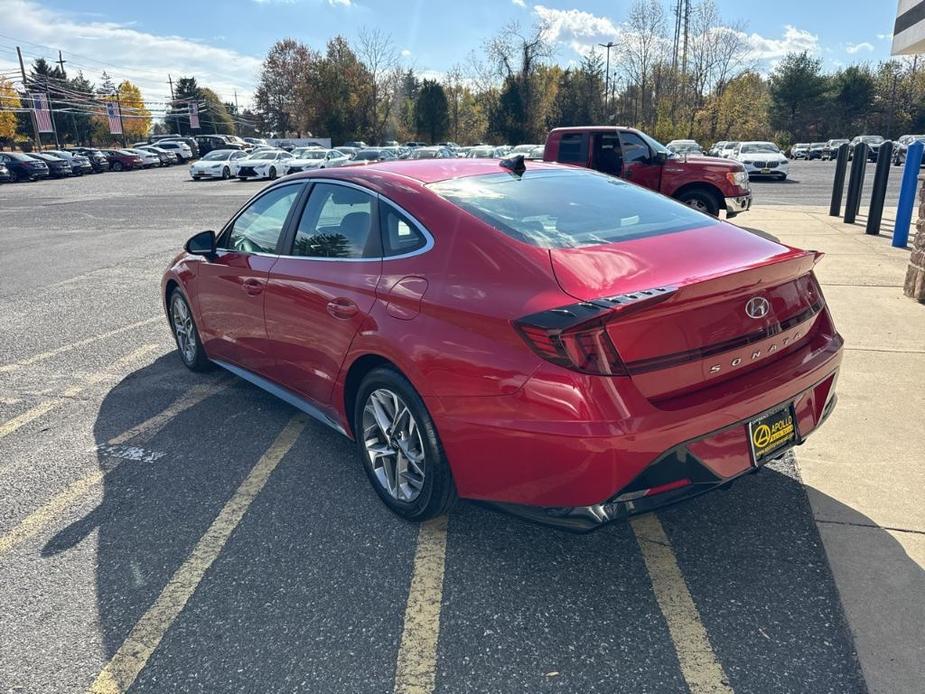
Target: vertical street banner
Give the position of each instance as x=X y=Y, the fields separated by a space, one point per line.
x=193 y=115
x=114 y=116
x=42 y=113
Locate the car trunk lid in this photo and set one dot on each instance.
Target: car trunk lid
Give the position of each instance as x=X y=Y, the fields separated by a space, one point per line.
x=706 y=329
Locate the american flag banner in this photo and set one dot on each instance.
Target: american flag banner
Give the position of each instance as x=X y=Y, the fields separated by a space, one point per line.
x=113 y=114
x=194 y=116
x=42 y=113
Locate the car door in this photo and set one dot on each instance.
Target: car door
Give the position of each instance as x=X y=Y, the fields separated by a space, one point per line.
x=230 y=287
x=322 y=289
x=639 y=163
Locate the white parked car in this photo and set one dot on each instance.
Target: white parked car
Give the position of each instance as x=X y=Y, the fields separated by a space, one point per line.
x=216 y=164
x=728 y=149
x=148 y=159
x=762 y=159
x=181 y=149
x=306 y=158
x=268 y=163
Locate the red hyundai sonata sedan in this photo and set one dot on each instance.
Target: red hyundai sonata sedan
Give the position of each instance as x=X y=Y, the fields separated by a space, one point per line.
x=554 y=340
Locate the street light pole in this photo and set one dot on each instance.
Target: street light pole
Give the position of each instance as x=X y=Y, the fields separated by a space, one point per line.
x=608 y=46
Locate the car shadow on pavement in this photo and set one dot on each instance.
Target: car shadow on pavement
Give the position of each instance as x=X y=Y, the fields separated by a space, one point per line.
x=310 y=590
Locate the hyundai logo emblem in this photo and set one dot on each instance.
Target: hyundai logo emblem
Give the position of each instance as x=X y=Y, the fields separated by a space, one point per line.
x=757 y=307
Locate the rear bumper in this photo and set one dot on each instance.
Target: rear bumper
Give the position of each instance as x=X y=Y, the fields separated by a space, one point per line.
x=589 y=443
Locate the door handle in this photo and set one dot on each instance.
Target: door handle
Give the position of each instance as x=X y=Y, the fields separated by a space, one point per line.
x=341 y=308
x=252 y=286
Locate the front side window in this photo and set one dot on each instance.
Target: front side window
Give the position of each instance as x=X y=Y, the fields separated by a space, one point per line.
x=399 y=234
x=635 y=150
x=336 y=223
x=258 y=228
x=567 y=209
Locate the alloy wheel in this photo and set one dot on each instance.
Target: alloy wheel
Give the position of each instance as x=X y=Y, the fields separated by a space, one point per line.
x=183 y=329
x=698 y=204
x=393 y=445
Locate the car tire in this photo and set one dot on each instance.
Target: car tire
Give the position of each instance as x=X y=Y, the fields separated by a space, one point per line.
x=702 y=200
x=186 y=334
x=272 y=173
x=390 y=420
x=783 y=177
x=195 y=178
x=117 y=166
x=226 y=173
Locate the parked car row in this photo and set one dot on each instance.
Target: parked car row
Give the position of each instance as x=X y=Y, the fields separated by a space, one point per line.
x=77 y=161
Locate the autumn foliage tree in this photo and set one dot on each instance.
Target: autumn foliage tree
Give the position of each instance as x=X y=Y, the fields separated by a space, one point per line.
x=9 y=100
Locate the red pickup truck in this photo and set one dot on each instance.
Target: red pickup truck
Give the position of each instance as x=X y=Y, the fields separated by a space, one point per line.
x=709 y=184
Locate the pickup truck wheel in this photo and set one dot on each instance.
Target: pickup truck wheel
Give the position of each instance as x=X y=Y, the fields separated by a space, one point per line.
x=702 y=200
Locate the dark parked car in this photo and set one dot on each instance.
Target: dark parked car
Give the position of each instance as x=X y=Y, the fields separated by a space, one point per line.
x=123 y=160
x=873 y=143
x=208 y=143
x=830 y=151
x=98 y=160
x=57 y=167
x=24 y=167
x=80 y=164
x=4 y=173
x=901 y=147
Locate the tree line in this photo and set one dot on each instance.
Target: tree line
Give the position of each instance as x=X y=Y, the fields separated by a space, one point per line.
x=511 y=90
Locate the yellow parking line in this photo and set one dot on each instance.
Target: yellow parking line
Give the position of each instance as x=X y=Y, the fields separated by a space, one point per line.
x=41 y=517
x=120 y=672
x=699 y=665
x=416 y=670
x=74 y=345
x=8 y=427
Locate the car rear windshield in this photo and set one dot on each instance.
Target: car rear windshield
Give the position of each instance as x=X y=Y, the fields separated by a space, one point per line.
x=567 y=209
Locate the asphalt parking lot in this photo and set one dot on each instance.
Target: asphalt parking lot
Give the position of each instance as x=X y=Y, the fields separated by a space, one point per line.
x=810 y=183
x=182 y=532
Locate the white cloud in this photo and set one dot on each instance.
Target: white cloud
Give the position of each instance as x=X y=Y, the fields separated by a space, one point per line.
x=341 y=3
x=885 y=37
x=578 y=29
x=794 y=41
x=127 y=53
x=853 y=48
x=406 y=52
x=519 y=3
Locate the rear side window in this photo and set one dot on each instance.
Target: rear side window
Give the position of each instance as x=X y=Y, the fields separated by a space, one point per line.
x=568 y=209
x=573 y=148
x=399 y=234
x=336 y=223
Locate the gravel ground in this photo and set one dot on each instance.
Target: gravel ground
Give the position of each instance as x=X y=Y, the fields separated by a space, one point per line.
x=309 y=593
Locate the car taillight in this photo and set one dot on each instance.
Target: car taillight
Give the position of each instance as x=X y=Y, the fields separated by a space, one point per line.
x=575 y=336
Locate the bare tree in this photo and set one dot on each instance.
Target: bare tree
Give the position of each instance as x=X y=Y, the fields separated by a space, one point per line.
x=643 y=46
x=380 y=57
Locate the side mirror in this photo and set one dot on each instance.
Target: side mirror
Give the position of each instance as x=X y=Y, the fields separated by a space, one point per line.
x=661 y=158
x=202 y=243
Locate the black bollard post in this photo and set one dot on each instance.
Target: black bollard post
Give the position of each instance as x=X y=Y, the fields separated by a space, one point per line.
x=878 y=194
x=856 y=182
x=838 y=185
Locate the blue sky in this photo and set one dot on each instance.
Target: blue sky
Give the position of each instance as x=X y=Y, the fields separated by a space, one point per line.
x=223 y=43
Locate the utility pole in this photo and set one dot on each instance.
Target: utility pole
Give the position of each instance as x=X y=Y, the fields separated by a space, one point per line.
x=121 y=124
x=35 y=126
x=61 y=61
x=237 y=112
x=608 y=46
x=172 y=105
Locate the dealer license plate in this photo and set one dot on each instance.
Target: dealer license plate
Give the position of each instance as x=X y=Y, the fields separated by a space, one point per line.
x=771 y=433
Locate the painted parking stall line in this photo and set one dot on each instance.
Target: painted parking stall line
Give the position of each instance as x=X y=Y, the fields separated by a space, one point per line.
x=46 y=514
x=132 y=656
x=5 y=368
x=416 y=669
x=699 y=665
x=46 y=406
